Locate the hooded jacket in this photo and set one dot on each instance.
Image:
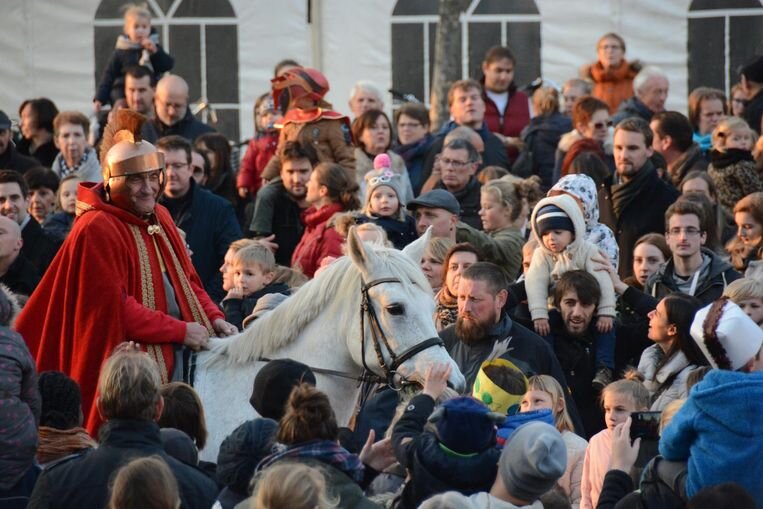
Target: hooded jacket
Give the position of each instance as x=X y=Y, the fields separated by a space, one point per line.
x=583 y=188
x=547 y=267
x=709 y=287
x=720 y=432
x=542 y=136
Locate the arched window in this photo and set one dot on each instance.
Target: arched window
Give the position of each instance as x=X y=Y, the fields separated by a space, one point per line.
x=723 y=36
x=485 y=23
x=202 y=36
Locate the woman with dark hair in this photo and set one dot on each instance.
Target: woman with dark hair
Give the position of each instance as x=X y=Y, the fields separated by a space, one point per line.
x=372 y=132
x=221 y=180
x=37 y=130
x=666 y=364
x=183 y=410
x=310 y=433
x=699 y=182
x=587 y=156
x=330 y=190
x=61 y=432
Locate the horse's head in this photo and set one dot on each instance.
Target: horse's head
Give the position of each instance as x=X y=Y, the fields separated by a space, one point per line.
x=398 y=329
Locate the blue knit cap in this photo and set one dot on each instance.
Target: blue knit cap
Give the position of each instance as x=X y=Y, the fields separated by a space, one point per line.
x=464 y=425
x=551 y=217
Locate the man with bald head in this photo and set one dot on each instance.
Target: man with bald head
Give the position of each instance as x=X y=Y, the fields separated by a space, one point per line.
x=16 y=272
x=172 y=113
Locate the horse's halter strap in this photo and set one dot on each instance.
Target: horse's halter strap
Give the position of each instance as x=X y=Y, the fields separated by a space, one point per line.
x=379 y=338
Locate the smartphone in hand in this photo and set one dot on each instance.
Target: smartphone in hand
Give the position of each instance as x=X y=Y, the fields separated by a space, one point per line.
x=645 y=425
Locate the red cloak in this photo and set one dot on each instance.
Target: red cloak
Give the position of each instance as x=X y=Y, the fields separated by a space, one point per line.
x=104 y=287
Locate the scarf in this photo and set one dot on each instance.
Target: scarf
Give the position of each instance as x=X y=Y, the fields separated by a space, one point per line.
x=57 y=443
x=411 y=150
x=324 y=451
x=63 y=169
x=731 y=156
x=447 y=307
x=124 y=43
x=623 y=194
x=705 y=141
x=623 y=72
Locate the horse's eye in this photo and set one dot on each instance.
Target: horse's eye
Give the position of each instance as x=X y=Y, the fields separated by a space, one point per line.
x=395 y=309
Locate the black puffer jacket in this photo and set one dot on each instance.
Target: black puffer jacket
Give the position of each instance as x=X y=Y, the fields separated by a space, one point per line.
x=541 y=137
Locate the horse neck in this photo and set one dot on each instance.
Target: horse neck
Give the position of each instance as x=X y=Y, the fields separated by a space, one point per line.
x=326 y=341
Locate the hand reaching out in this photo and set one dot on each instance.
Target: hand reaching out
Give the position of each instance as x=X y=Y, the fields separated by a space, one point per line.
x=379 y=455
x=436 y=380
x=542 y=327
x=604 y=324
x=624 y=453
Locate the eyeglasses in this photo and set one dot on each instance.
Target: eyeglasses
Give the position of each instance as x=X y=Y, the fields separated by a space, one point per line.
x=602 y=125
x=409 y=125
x=454 y=163
x=384 y=178
x=176 y=166
x=689 y=231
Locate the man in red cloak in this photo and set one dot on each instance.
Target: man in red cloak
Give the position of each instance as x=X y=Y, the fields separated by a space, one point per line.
x=123 y=274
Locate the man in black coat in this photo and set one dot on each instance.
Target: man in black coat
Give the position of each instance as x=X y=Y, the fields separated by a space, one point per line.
x=752 y=84
x=209 y=222
x=39 y=246
x=635 y=205
x=130 y=402
x=10 y=159
x=483 y=331
x=458 y=163
x=172 y=113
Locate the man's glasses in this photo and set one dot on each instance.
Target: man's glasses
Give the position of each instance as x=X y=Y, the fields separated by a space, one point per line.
x=689 y=231
x=455 y=163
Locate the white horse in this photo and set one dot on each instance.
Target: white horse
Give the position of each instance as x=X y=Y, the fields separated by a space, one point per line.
x=320 y=325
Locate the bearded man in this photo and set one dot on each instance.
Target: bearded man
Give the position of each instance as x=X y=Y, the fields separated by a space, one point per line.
x=123 y=274
x=484 y=331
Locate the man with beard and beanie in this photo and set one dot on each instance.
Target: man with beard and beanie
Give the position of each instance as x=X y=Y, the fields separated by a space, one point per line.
x=483 y=331
x=122 y=274
x=279 y=205
x=636 y=204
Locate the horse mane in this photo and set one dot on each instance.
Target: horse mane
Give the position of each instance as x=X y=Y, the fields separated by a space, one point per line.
x=281 y=326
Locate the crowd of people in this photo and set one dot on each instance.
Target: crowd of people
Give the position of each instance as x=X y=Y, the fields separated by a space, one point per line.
x=595 y=264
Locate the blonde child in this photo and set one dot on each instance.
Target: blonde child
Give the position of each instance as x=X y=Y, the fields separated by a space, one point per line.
x=253 y=271
x=145 y=483
x=60 y=223
x=383 y=206
x=620 y=399
x=291 y=485
x=138 y=45
x=748 y=295
x=545 y=392
x=732 y=166
x=226 y=269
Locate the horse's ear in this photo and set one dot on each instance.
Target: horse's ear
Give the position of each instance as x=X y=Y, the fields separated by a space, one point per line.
x=415 y=250
x=360 y=254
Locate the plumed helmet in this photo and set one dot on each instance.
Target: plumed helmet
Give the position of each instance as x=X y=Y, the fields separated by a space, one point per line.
x=123 y=152
x=299 y=82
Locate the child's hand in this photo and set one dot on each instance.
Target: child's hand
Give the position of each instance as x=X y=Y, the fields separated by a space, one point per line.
x=235 y=293
x=604 y=324
x=542 y=327
x=436 y=380
x=624 y=454
x=243 y=192
x=149 y=45
x=97 y=106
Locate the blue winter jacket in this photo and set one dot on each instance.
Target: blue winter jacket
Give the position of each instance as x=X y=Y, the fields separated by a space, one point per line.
x=719 y=430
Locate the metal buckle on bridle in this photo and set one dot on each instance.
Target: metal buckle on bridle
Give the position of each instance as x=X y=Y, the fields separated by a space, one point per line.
x=391 y=377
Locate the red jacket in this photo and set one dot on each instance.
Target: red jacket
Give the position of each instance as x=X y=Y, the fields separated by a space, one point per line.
x=104 y=287
x=258 y=154
x=319 y=239
x=514 y=119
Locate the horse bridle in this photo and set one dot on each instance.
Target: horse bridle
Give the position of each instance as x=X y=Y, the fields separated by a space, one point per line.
x=379 y=338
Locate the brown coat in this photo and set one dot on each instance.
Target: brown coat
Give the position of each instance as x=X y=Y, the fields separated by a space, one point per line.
x=612 y=86
x=330 y=138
